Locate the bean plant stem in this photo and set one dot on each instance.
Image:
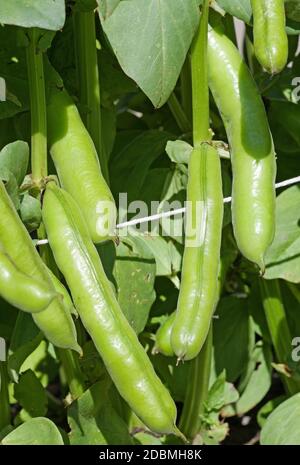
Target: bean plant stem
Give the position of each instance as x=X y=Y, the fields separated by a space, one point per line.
x=178 y=113
x=88 y=80
x=185 y=87
x=5 y=417
x=278 y=327
x=35 y=70
x=200 y=92
x=72 y=371
x=197 y=390
x=199 y=372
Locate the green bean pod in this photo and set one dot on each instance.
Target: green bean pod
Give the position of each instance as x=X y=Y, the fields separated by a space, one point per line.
x=23 y=291
x=77 y=165
x=94 y=298
x=55 y=321
x=251 y=144
x=199 y=278
x=270 y=37
x=163 y=337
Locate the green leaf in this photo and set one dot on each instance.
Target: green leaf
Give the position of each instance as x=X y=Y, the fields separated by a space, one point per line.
x=239 y=8
x=93 y=421
x=11 y=186
x=35 y=405
x=37 y=432
x=134 y=272
x=266 y=410
x=13 y=70
x=25 y=339
x=259 y=382
x=8 y=316
x=179 y=151
x=283 y=257
x=48 y=14
x=131 y=161
x=231 y=330
x=292 y=8
x=31 y=212
x=15 y=157
x=282 y=427
x=91 y=363
x=160 y=35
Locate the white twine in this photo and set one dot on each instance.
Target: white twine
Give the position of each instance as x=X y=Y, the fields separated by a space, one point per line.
x=178 y=211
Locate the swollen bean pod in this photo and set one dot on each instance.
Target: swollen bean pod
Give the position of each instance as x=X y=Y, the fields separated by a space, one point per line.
x=23 y=291
x=270 y=37
x=95 y=301
x=199 y=278
x=55 y=321
x=251 y=145
x=77 y=165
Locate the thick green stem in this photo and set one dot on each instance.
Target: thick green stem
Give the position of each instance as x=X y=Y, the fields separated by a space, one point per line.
x=186 y=88
x=39 y=167
x=197 y=390
x=179 y=115
x=88 y=77
x=200 y=90
x=278 y=327
x=199 y=374
x=73 y=372
x=5 y=416
x=36 y=81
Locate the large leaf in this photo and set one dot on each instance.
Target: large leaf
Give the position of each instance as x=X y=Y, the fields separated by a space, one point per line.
x=283 y=425
x=134 y=272
x=93 y=421
x=239 y=8
x=259 y=381
x=35 y=405
x=131 y=161
x=25 y=339
x=37 y=431
x=231 y=330
x=153 y=49
x=283 y=257
x=14 y=157
x=48 y=14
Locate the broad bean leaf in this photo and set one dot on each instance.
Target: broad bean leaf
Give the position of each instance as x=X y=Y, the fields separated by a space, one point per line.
x=220 y=394
x=282 y=427
x=283 y=257
x=259 y=381
x=179 y=151
x=14 y=72
x=153 y=49
x=48 y=14
x=134 y=272
x=35 y=406
x=14 y=157
x=131 y=161
x=292 y=8
x=25 y=339
x=266 y=410
x=239 y=8
x=232 y=329
x=31 y=212
x=93 y=421
x=35 y=432
x=8 y=316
